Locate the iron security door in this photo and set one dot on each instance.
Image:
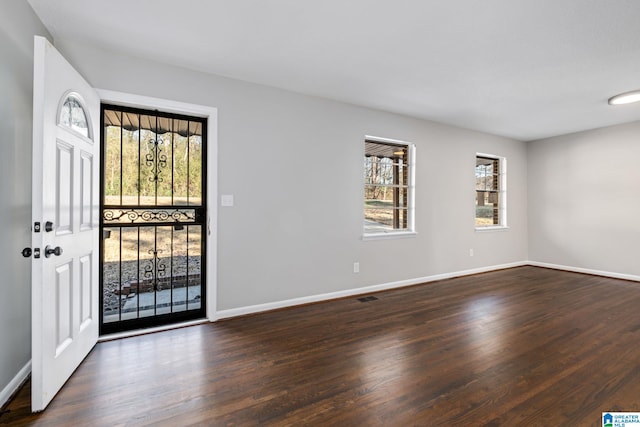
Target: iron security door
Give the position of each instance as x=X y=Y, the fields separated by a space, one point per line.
x=153 y=218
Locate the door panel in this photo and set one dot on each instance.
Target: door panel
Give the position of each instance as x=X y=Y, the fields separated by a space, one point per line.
x=63 y=313
x=86 y=291
x=87 y=174
x=65 y=192
x=64 y=188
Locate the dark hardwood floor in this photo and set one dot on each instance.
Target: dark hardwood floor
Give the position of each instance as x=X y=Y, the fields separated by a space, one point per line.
x=520 y=347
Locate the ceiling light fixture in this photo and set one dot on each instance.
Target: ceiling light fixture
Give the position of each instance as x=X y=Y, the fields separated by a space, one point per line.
x=625 y=98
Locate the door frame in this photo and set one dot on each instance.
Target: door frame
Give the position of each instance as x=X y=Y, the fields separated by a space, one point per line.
x=210 y=113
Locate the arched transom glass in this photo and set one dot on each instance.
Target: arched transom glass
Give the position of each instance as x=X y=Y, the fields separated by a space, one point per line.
x=73 y=115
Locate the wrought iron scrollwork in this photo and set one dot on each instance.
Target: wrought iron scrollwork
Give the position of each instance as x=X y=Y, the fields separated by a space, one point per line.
x=155 y=268
x=156 y=159
x=149 y=215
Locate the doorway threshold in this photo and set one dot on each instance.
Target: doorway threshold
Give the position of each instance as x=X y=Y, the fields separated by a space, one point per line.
x=137 y=332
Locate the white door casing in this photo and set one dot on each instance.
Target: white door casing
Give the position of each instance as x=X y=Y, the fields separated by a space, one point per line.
x=65 y=192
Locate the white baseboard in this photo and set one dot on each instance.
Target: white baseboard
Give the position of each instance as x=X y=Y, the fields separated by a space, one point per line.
x=585 y=270
x=15 y=384
x=241 y=311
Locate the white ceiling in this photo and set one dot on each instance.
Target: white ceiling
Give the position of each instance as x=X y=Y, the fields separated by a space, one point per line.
x=525 y=69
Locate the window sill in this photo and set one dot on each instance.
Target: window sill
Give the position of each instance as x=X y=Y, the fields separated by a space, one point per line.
x=390 y=235
x=492 y=228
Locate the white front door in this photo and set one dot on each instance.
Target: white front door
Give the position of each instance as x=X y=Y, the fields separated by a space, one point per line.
x=66 y=150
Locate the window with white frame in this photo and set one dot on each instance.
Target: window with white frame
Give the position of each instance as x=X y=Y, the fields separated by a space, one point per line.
x=388 y=188
x=490 y=191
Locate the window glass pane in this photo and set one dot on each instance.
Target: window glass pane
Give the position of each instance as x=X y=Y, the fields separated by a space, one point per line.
x=378 y=219
x=487 y=173
x=386 y=187
x=385 y=219
x=73 y=116
x=487 y=212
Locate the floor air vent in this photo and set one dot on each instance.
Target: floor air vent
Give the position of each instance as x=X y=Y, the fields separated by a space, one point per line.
x=367 y=299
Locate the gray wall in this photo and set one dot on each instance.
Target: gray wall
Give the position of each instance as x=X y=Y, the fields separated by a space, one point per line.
x=294 y=165
x=584 y=200
x=18 y=24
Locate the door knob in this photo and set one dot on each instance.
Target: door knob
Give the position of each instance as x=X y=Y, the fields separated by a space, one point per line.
x=26 y=252
x=48 y=226
x=48 y=251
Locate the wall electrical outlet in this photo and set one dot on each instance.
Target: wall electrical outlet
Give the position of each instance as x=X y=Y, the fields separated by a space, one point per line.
x=356 y=267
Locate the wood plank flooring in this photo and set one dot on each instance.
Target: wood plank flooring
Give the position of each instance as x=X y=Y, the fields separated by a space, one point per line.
x=520 y=347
